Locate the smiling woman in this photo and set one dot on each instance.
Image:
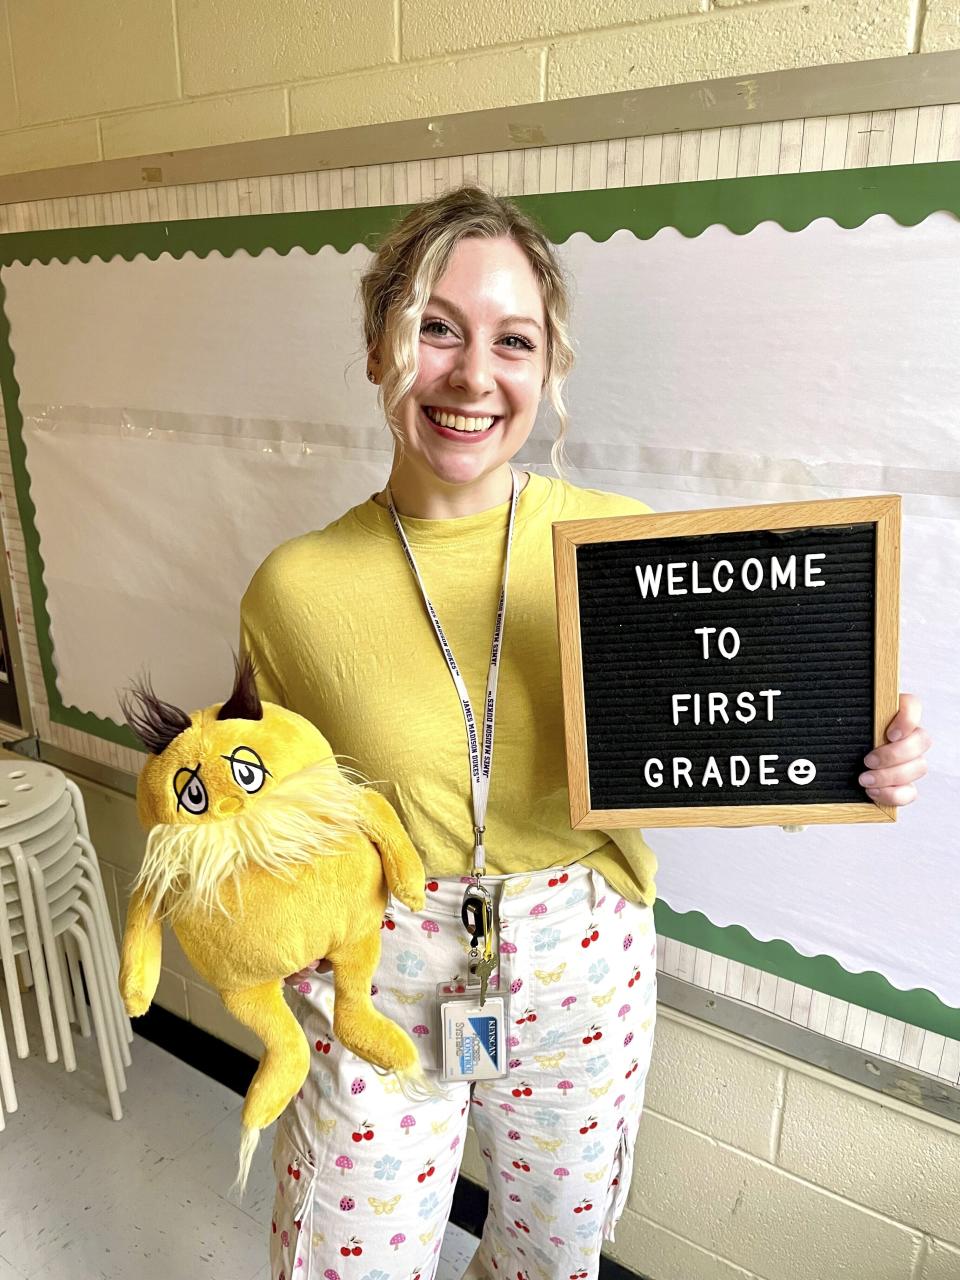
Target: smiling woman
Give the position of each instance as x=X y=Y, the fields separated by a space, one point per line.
x=363 y=627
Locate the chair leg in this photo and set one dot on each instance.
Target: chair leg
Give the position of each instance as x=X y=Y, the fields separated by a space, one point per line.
x=99 y=1022
x=64 y=979
x=53 y=965
x=98 y=905
x=79 y=812
x=13 y=986
x=36 y=954
x=111 y=974
x=79 y=995
x=95 y=874
x=112 y=950
x=100 y=979
x=7 y=1091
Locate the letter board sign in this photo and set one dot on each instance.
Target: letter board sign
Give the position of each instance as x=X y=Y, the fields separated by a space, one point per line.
x=729 y=667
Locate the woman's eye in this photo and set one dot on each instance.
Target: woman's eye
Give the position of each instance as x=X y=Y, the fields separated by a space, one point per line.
x=432 y=325
x=525 y=343
x=190 y=792
x=249 y=776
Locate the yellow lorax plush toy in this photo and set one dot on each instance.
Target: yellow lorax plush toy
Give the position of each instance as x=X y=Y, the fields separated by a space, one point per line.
x=264 y=857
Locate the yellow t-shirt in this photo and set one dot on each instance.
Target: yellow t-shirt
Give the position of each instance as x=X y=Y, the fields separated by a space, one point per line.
x=337 y=626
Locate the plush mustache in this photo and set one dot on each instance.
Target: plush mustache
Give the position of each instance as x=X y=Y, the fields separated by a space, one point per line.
x=311 y=813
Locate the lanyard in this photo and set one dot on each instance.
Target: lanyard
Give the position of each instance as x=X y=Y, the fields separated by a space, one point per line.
x=481 y=752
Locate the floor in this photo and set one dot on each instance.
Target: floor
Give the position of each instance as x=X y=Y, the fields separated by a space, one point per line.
x=83 y=1197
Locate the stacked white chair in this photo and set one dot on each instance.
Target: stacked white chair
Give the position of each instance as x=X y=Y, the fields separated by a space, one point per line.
x=54 y=920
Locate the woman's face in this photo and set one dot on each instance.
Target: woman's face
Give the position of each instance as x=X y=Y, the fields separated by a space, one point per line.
x=482 y=362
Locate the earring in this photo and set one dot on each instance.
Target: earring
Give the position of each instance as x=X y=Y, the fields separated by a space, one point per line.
x=370 y=375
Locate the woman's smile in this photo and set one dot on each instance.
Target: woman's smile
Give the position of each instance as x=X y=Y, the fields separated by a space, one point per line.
x=452 y=425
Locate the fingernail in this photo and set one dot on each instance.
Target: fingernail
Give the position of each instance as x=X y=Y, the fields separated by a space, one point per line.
x=873 y=792
x=870 y=761
x=895 y=734
x=867 y=779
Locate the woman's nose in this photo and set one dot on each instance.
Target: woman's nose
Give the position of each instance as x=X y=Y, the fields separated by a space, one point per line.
x=473 y=370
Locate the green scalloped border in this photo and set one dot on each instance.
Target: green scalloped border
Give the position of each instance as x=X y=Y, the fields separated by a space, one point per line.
x=907 y=193
x=869 y=989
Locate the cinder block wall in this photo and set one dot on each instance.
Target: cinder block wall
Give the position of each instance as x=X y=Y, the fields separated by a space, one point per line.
x=750 y=1165
x=91 y=80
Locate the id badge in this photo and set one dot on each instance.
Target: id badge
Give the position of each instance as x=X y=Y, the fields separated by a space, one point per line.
x=473 y=1037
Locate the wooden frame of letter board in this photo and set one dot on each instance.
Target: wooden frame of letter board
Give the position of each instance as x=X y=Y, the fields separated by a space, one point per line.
x=568 y=535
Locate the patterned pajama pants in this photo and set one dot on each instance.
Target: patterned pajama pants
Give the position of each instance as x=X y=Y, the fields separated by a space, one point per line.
x=365 y=1177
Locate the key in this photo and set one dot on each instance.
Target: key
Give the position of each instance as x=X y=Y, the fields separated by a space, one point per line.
x=484 y=969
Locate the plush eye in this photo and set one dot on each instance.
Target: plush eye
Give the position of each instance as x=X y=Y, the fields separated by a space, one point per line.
x=249 y=772
x=190 y=792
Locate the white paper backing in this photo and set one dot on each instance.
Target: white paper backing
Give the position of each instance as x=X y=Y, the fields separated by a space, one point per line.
x=183 y=417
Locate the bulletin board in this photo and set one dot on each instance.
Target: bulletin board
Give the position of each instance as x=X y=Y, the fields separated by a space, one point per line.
x=754 y=309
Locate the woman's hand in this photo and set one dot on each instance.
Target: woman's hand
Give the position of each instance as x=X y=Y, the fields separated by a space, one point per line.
x=295 y=979
x=895 y=767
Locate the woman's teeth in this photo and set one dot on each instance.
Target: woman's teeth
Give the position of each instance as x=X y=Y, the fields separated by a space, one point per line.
x=457 y=422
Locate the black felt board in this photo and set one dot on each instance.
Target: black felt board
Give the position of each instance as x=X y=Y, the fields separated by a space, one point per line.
x=816 y=645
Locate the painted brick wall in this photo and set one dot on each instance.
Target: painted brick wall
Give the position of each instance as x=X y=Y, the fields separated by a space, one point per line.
x=88 y=80
x=750 y=1165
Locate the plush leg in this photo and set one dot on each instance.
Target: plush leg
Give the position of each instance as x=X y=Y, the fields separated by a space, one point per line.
x=401 y=862
x=284 y=1065
x=356 y=1023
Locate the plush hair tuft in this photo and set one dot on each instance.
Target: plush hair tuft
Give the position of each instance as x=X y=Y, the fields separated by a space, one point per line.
x=155 y=722
x=244 y=702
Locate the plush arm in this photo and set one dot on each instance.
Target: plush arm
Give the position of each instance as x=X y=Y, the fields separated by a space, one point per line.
x=140 y=960
x=401 y=862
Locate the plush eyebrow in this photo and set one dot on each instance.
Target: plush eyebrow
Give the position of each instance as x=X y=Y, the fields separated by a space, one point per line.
x=191 y=774
x=436 y=300
x=233 y=756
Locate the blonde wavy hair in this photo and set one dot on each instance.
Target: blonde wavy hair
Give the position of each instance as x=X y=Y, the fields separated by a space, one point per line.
x=410 y=260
